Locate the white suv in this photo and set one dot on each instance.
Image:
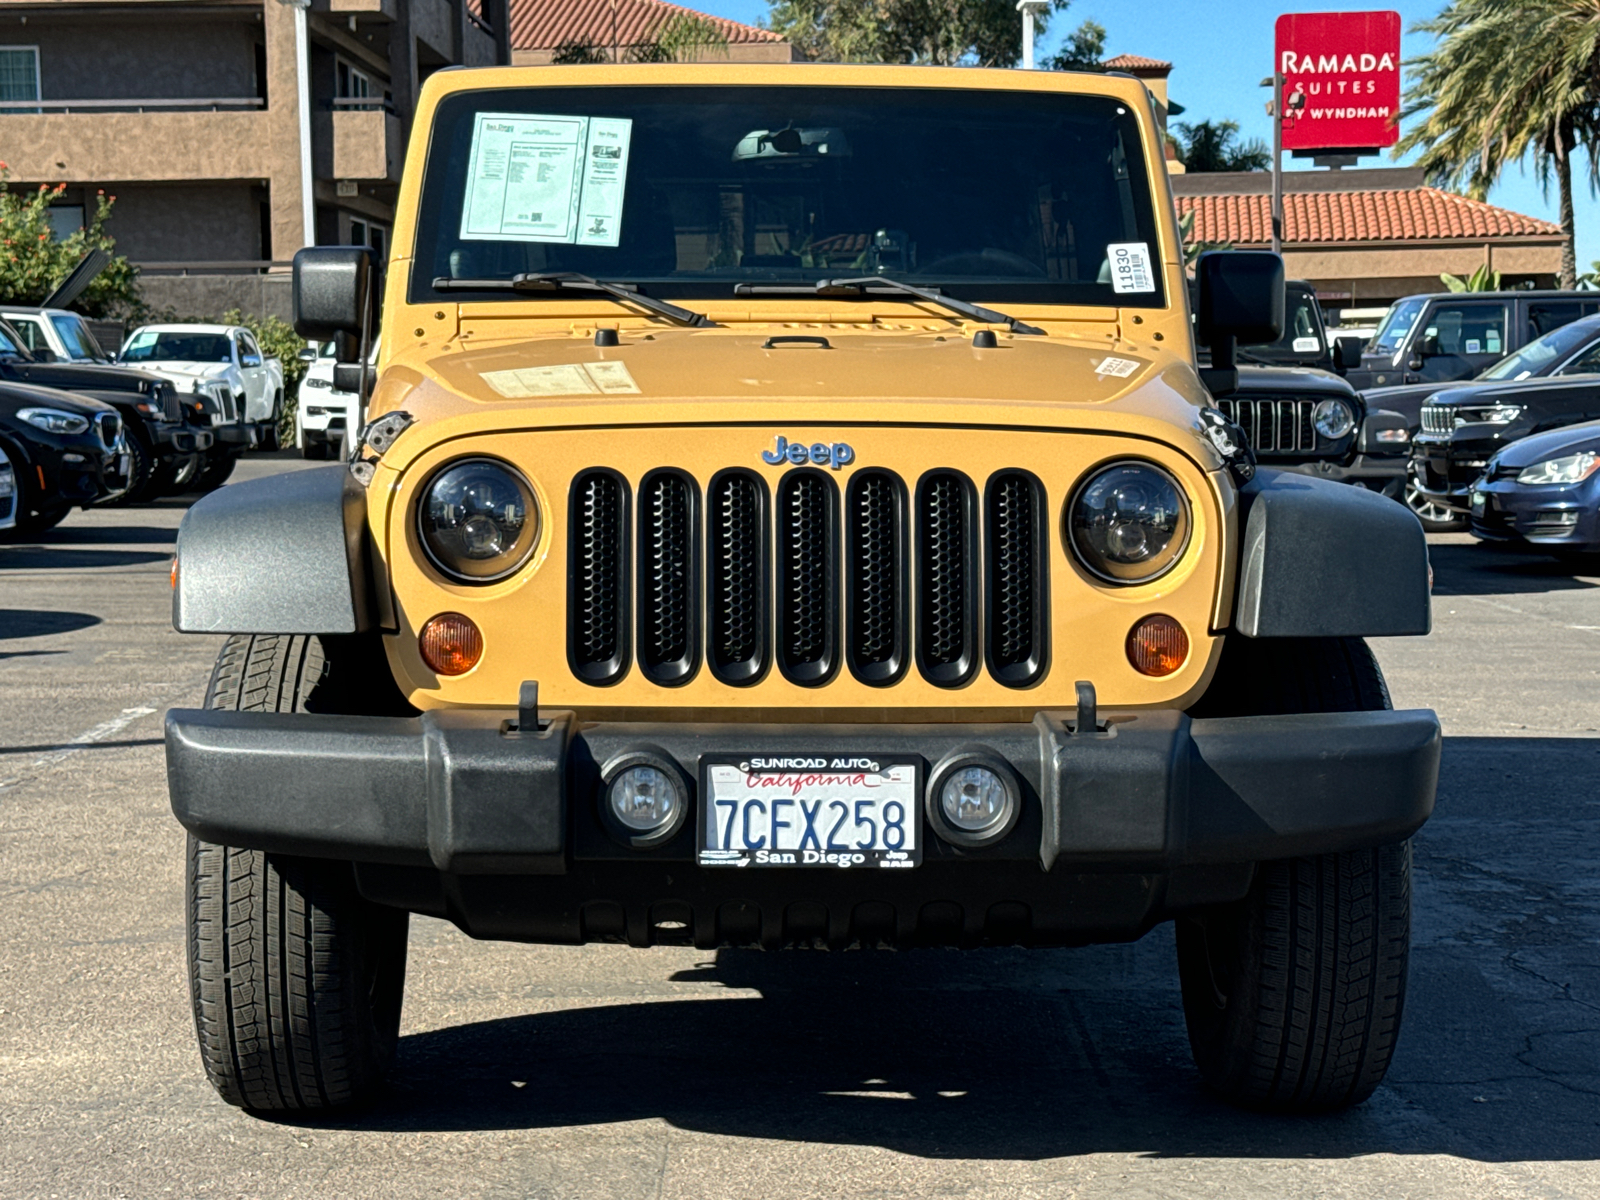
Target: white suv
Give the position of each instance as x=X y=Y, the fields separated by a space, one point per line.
x=326 y=420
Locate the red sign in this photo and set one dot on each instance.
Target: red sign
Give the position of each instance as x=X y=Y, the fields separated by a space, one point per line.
x=1341 y=80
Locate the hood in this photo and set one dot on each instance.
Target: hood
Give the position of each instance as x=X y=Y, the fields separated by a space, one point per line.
x=1308 y=381
x=1526 y=391
x=186 y=373
x=16 y=396
x=1408 y=398
x=81 y=376
x=738 y=375
x=1570 y=439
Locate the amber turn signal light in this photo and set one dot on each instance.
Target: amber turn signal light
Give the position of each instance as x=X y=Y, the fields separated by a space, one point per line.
x=451 y=644
x=1157 y=645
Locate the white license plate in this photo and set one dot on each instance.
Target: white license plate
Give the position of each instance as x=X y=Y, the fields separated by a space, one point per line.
x=817 y=810
x=124 y=463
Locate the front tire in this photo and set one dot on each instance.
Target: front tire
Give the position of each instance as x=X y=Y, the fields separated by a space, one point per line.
x=1293 y=996
x=296 y=980
x=215 y=473
x=1435 y=517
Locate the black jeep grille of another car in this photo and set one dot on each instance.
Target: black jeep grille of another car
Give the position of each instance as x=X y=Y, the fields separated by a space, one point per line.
x=1438 y=418
x=1274 y=426
x=597 y=581
x=805 y=579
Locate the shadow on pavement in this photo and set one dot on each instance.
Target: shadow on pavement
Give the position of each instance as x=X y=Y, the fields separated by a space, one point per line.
x=1016 y=1054
x=1461 y=570
x=27 y=623
x=46 y=558
x=106 y=535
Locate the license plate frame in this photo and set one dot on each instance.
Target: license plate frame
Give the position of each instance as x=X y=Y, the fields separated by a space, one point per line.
x=726 y=836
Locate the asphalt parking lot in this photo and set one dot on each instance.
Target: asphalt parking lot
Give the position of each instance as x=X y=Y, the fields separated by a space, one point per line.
x=606 y=1072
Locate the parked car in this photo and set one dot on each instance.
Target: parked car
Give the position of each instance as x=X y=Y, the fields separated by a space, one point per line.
x=55 y=334
x=1447 y=336
x=67 y=451
x=1572 y=349
x=1543 y=493
x=1462 y=428
x=8 y=490
x=160 y=444
x=325 y=417
x=242 y=389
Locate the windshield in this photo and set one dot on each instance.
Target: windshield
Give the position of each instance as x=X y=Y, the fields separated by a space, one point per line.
x=1302 y=325
x=691 y=191
x=9 y=344
x=76 y=338
x=1539 y=355
x=148 y=346
x=1397 y=322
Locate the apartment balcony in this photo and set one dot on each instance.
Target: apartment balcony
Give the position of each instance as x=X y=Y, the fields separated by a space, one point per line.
x=134 y=140
x=359 y=140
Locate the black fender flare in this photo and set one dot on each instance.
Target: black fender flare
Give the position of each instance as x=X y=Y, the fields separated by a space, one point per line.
x=284 y=554
x=1326 y=559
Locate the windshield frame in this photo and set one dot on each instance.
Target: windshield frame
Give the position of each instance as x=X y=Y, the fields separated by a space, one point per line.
x=435 y=205
x=1411 y=304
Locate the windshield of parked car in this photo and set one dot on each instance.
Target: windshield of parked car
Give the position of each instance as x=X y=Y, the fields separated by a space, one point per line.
x=149 y=346
x=693 y=191
x=1397 y=322
x=1541 y=354
x=76 y=338
x=1302 y=325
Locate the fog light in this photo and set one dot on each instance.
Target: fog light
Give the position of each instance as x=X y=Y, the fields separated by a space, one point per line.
x=646 y=800
x=973 y=800
x=451 y=644
x=1157 y=646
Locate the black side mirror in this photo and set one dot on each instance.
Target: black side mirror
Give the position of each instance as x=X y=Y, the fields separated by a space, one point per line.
x=347 y=377
x=334 y=292
x=1347 y=352
x=45 y=355
x=1241 y=299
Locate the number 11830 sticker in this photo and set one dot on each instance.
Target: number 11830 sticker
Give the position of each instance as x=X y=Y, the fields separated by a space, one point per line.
x=1130 y=267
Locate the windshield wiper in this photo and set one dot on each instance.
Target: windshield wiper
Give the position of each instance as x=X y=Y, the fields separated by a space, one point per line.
x=868 y=284
x=542 y=281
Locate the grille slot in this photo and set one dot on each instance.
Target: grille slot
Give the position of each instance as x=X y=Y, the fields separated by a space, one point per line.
x=737 y=599
x=947 y=581
x=877 y=584
x=668 y=572
x=1016 y=589
x=808 y=577
x=108 y=425
x=597 y=577
x=1438 y=418
x=1273 y=426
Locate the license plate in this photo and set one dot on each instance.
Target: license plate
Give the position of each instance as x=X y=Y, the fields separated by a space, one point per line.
x=833 y=811
x=124 y=463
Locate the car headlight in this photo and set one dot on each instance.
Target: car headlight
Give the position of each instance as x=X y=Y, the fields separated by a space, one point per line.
x=1128 y=523
x=479 y=520
x=315 y=382
x=1570 y=468
x=1493 y=414
x=53 y=420
x=1333 y=419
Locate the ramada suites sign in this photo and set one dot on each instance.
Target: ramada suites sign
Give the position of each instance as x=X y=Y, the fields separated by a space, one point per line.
x=1341 y=79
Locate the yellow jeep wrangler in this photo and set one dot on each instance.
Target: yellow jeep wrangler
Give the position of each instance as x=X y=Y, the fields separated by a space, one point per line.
x=789 y=513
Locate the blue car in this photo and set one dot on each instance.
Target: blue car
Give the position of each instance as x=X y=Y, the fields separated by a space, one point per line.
x=1543 y=493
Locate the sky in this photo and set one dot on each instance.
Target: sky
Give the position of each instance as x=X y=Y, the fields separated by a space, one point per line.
x=1221 y=51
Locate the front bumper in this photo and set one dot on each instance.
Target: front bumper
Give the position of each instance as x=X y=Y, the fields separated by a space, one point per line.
x=457 y=813
x=1551 y=517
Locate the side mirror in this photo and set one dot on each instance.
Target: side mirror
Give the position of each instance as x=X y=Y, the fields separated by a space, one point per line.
x=347 y=378
x=333 y=291
x=308 y=354
x=250 y=360
x=1347 y=352
x=1241 y=299
x=45 y=355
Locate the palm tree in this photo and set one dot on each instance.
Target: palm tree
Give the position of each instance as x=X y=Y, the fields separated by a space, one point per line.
x=1509 y=80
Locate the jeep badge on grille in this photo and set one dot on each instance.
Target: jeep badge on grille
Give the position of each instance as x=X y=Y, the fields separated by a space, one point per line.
x=824 y=454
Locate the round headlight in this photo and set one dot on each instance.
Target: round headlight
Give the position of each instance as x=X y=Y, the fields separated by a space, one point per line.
x=479 y=520
x=1129 y=523
x=1333 y=419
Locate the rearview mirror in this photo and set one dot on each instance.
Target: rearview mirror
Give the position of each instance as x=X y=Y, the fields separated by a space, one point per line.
x=1241 y=299
x=1347 y=352
x=333 y=291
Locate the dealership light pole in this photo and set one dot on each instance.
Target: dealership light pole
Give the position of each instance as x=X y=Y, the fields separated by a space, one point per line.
x=1030 y=9
x=1276 y=110
x=302 y=70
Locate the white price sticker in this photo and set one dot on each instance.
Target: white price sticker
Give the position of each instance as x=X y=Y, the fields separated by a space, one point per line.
x=1119 y=367
x=1130 y=267
x=564 y=379
x=546 y=179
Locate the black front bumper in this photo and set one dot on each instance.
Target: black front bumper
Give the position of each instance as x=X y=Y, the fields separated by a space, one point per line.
x=458 y=814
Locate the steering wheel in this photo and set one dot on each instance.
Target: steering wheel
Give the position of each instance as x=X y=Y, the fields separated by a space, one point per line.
x=988 y=261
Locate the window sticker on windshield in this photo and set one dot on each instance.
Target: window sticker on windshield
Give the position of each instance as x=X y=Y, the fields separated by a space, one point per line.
x=546 y=179
x=1130 y=267
x=1492 y=342
x=1121 y=368
x=566 y=379
x=1474 y=346
x=1306 y=345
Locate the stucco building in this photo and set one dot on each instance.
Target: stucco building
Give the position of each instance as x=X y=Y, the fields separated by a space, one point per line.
x=188 y=113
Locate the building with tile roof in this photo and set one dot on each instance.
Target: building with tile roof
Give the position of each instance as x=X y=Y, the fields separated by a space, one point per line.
x=1366 y=237
x=540 y=28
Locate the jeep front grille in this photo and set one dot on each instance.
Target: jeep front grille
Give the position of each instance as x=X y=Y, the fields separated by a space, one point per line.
x=1273 y=425
x=805 y=579
x=1438 y=418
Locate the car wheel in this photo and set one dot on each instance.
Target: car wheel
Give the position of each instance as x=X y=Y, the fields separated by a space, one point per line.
x=142 y=470
x=271 y=441
x=313 y=450
x=1293 y=996
x=215 y=473
x=1435 y=517
x=31 y=523
x=296 y=979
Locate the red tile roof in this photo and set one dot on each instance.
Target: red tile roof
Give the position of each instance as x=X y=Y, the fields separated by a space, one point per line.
x=546 y=24
x=1135 y=62
x=1415 y=214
